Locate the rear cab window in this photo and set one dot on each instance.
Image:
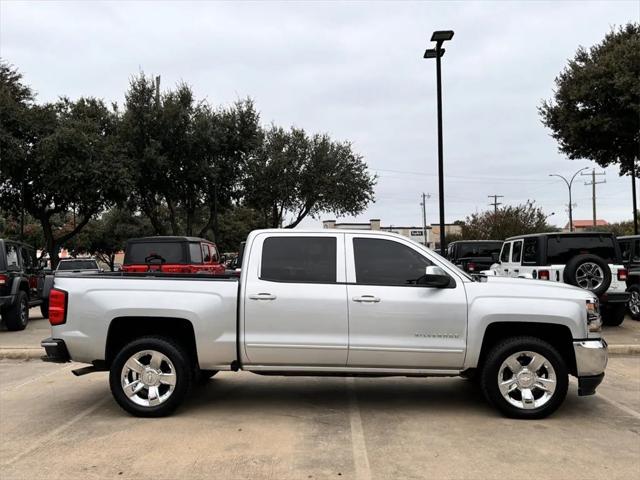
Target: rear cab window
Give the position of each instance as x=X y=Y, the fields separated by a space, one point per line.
x=299 y=259
x=155 y=252
x=561 y=249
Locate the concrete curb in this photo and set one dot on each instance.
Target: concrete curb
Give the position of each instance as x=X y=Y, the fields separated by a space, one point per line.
x=30 y=353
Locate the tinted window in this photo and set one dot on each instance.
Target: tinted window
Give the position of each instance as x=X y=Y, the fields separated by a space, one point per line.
x=625 y=248
x=530 y=252
x=299 y=259
x=517 y=252
x=214 y=253
x=478 y=249
x=385 y=262
x=562 y=249
x=78 y=265
x=154 y=252
x=12 y=255
x=195 y=253
x=27 y=258
x=506 y=251
x=636 y=251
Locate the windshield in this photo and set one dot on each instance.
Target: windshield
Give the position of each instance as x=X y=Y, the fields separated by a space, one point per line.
x=78 y=265
x=478 y=249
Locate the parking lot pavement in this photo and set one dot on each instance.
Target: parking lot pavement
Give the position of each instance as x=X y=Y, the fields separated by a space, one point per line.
x=628 y=333
x=37 y=329
x=54 y=425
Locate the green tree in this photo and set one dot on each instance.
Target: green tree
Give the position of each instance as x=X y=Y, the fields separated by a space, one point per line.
x=57 y=158
x=294 y=175
x=506 y=222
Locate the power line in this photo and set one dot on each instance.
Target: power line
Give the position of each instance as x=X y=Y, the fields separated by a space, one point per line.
x=495 y=202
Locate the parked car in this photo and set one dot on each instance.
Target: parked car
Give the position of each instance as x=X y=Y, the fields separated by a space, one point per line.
x=86 y=265
x=172 y=255
x=329 y=302
x=23 y=284
x=630 y=248
x=473 y=256
x=591 y=261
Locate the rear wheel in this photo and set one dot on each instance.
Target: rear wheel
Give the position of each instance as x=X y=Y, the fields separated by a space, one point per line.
x=525 y=377
x=16 y=316
x=613 y=315
x=150 y=377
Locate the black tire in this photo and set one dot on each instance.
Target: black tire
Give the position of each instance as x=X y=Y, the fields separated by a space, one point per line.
x=183 y=376
x=613 y=315
x=16 y=316
x=569 y=275
x=44 y=308
x=500 y=353
x=634 y=302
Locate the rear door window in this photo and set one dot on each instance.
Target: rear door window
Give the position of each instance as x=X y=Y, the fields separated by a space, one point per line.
x=12 y=256
x=299 y=259
x=561 y=249
x=516 y=255
x=155 y=252
x=195 y=252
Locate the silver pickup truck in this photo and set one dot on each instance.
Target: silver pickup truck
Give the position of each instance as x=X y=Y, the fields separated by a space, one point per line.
x=329 y=303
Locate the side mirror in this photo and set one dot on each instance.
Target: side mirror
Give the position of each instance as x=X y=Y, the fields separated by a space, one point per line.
x=435 y=277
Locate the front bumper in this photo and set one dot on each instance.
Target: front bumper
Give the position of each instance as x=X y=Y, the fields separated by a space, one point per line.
x=56 y=350
x=614 y=297
x=591 y=361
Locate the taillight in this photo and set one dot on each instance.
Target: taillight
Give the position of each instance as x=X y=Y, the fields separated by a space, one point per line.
x=622 y=274
x=543 y=274
x=471 y=266
x=3 y=279
x=57 y=306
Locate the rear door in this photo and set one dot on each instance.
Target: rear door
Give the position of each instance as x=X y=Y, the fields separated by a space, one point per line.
x=395 y=322
x=295 y=300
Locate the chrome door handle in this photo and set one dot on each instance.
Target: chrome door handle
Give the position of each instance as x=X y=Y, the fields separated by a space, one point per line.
x=262 y=296
x=366 y=299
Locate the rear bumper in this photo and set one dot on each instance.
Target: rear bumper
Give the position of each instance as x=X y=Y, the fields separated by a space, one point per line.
x=56 y=350
x=591 y=361
x=615 y=298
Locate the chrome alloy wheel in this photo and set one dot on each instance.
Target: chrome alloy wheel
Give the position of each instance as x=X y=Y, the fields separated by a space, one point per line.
x=634 y=303
x=527 y=380
x=589 y=275
x=148 y=378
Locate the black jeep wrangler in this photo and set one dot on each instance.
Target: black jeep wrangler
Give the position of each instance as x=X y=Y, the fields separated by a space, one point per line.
x=630 y=247
x=23 y=284
x=473 y=256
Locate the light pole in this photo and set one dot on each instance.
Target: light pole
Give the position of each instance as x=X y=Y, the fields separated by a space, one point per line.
x=569 y=184
x=439 y=36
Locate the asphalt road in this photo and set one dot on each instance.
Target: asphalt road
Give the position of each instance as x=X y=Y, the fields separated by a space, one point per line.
x=54 y=425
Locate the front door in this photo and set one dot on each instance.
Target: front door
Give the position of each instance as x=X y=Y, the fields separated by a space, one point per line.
x=393 y=321
x=295 y=301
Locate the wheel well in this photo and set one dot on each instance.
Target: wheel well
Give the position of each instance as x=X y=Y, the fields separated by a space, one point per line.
x=557 y=335
x=124 y=330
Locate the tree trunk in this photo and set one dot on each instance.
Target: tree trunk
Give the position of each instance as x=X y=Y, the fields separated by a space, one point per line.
x=172 y=217
x=50 y=241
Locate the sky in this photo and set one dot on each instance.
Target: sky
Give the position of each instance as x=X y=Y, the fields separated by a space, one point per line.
x=355 y=71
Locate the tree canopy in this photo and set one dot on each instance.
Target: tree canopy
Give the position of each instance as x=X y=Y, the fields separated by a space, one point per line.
x=595 y=111
x=506 y=222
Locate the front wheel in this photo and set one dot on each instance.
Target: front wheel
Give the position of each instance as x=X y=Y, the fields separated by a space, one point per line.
x=634 y=302
x=150 y=377
x=525 y=377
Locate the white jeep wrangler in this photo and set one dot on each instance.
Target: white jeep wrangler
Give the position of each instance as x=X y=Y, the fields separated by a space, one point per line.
x=591 y=261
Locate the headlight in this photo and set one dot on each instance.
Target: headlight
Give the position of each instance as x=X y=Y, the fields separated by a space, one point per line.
x=594 y=320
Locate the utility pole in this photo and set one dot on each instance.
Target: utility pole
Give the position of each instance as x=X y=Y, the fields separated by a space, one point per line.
x=495 y=202
x=593 y=184
x=158 y=91
x=633 y=192
x=425 y=196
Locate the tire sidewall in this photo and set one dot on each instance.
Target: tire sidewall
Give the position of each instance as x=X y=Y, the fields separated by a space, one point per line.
x=497 y=356
x=569 y=274
x=613 y=315
x=12 y=316
x=183 y=376
x=634 y=288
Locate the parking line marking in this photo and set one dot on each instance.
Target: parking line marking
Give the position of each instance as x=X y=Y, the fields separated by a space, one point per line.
x=56 y=432
x=624 y=408
x=360 y=457
x=34 y=379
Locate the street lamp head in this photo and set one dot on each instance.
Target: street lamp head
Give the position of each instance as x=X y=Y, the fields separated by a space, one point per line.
x=433 y=53
x=442 y=35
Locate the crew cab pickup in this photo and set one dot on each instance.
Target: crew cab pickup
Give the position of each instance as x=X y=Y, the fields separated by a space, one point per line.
x=329 y=303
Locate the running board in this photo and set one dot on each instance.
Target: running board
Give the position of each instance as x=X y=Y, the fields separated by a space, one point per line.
x=78 y=372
